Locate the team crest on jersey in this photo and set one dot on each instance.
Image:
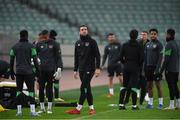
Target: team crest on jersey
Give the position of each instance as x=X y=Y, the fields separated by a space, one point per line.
x=109 y=48
x=86 y=44
x=147 y=45
x=78 y=44
x=50 y=46
x=154 y=46
x=116 y=47
x=41 y=46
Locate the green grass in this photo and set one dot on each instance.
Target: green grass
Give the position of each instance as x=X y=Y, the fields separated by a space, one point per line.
x=103 y=111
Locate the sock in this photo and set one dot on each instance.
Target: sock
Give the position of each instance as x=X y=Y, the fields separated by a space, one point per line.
x=42 y=106
x=171 y=104
x=91 y=107
x=111 y=91
x=79 y=107
x=147 y=97
x=19 y=108
x=134 y=106
x=49 y=105
x=32 y=108
x=138 y=94
x=161 y=101
x=121 y=105
x=150 y=102
x=178 y=103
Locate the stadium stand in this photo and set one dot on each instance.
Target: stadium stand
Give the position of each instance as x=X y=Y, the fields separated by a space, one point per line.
x=101 y=16
x=117 y=16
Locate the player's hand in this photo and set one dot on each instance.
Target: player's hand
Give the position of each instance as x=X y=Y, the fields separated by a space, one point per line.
x=76 y=75
x=97 y=72
x=158 y=76
x=12 y=75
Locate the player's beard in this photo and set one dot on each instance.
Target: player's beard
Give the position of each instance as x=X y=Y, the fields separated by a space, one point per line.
x=84 y=37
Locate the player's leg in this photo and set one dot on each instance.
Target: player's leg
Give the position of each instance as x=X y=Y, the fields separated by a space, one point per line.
x=149 y=71
x=49 y=90
x=172 y=79
x=56 y=88
x=110 y=77
x=160 y=95
x=82 y=97
x=123 y=90
x=119 y=73
x=19 y=85
x=177 y=91
x=171 y=91
x=110 y=86
x=89 y=92
x=134 y=80
x=143 y=89
x=36 y=88
x=41 y=91
x=29 y=80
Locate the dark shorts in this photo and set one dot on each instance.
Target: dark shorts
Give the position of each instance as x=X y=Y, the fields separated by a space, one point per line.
x=149 y=73
x=117 y=68
x=28 y=79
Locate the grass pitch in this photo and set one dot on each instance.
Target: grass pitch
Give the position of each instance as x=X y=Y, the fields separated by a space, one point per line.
x=103 y=110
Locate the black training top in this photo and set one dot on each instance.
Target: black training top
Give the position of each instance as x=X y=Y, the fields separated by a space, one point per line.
x=87 y=56
x=23 y=51
x=132 y=54
x=153 y=54
x=112 y=50
x=49 y=53
x=171 y=60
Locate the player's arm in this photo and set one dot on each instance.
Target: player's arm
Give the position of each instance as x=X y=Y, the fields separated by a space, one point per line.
x=167 y=54
x=58 y=56
x=117 y=60
x=76 y=61
x=12 y=58
x=98 y=59
x=104 y=57
x=35 y=60
x=121 y=56
x=160 y=56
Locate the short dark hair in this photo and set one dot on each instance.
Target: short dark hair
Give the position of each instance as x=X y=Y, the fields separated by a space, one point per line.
x=153 y=29
x=109 y=34
x=53 y=33
x=23 y=34
x=171 y=32
x=133 y=34
x=145 y=31
x=83 y=26
x=44 y=32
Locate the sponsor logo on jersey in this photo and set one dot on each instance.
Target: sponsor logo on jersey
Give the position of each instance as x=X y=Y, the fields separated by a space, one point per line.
x=154 y=46
x=50 y=46
x=41 y=46
x=87 y=44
